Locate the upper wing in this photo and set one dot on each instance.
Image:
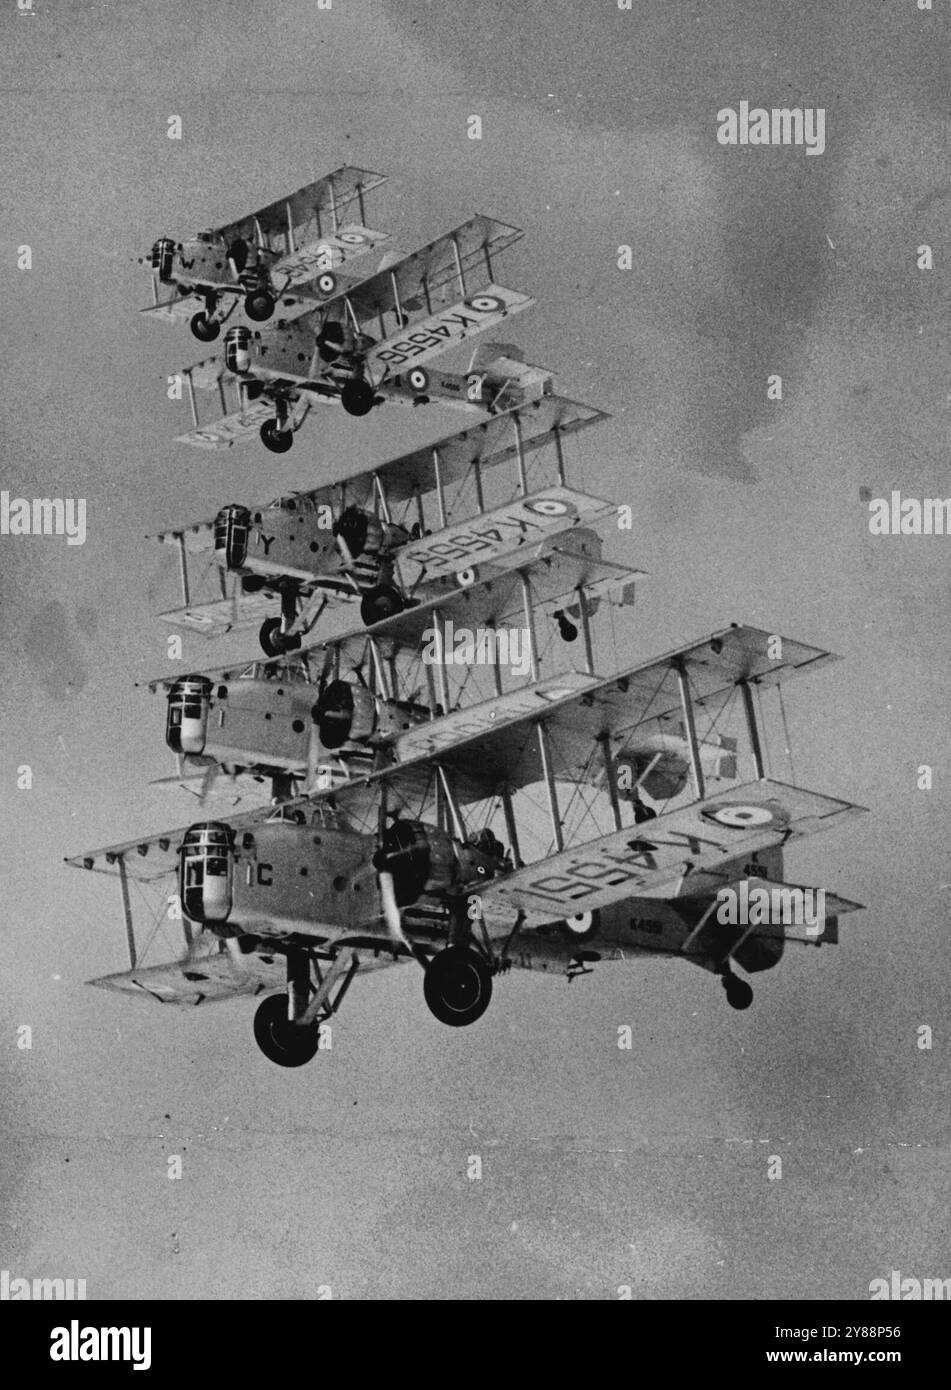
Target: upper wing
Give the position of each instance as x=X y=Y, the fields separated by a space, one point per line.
x=412 y=283
x=641 y=857
x=316 y=208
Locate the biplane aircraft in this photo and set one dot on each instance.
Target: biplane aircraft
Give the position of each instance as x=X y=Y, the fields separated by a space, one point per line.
x=497 y=379
x=405 y=862
x=311 y=718
x=295 y=250
x=435 y=518
x=421 y=305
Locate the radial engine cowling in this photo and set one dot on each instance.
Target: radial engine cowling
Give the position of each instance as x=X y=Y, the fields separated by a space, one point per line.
x=426 y=860
x=362 y=533
x=205 y=868
x=163 y=258
x=186 y=719
x=349 y=713
x=238 y=350
x=232 y=528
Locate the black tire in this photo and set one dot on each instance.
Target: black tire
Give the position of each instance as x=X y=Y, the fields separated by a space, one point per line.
x=274 y=438
x=739 y=995
x=275 y=642
x=330 y=342
x=258 y=305
x=457 y=986
x=288 y=1044
x=357 y=397
x=205 y=330
x=380 y=603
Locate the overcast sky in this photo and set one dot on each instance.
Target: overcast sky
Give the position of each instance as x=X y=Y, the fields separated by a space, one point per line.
x=601 y=1167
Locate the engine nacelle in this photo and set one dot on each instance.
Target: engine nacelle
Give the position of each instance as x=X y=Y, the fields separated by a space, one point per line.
x=186 y=718
x=163 y=259
x=238 y=350
x=232 y=528
x=362 y=533
x=349 y=713
x=205 y=871
x=426 y=860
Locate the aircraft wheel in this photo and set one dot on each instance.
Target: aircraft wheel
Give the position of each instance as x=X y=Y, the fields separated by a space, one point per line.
x=258 y=305
x=275 y=642
x=206 y=330
x=288 y=1044
x=457 y=986
x=378 y=603
x=274 y=438
x=739 y=995
x=357 y=397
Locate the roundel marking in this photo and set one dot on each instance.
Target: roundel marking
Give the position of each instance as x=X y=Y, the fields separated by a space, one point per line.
x=580 y=923
x=485 y=303
x=326 y=283
x=351 y=238
x=465 y=578
x=551 y=506
x=739 y=816
x=418 y=379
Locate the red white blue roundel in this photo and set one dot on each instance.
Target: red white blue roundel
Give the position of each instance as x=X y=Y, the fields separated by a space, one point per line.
x=351 y=238
x=743 y=815
x=326 y=283
x=550 y=506
x=418 y=379
x=485 y=303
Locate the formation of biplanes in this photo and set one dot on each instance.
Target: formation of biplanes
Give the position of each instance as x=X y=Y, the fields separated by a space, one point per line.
x=461 y=781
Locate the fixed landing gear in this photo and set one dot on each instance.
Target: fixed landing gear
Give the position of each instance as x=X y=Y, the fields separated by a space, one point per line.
x=205 y=329
x=286 y=1043
x=457 y=986
x=739 y=995
x=275 y=642
x=357 y=397
x=274 y=438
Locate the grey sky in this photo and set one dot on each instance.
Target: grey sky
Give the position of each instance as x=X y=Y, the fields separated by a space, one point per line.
x=601 y=1167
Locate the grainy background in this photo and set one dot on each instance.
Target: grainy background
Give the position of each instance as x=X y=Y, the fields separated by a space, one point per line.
x=601 y=1167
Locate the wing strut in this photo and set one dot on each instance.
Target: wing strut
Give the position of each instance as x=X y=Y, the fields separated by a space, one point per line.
x=459 y=270
x=585 y=630
x=291 y=248
x=440 y=492
x=183 y=567
x=126 y=910
x=529 y=625
x=753 y=729
x=690 y=727
x=544 y=749
x=398 y=303
x=610 y=775
x=520 y=455
x=559 y=454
